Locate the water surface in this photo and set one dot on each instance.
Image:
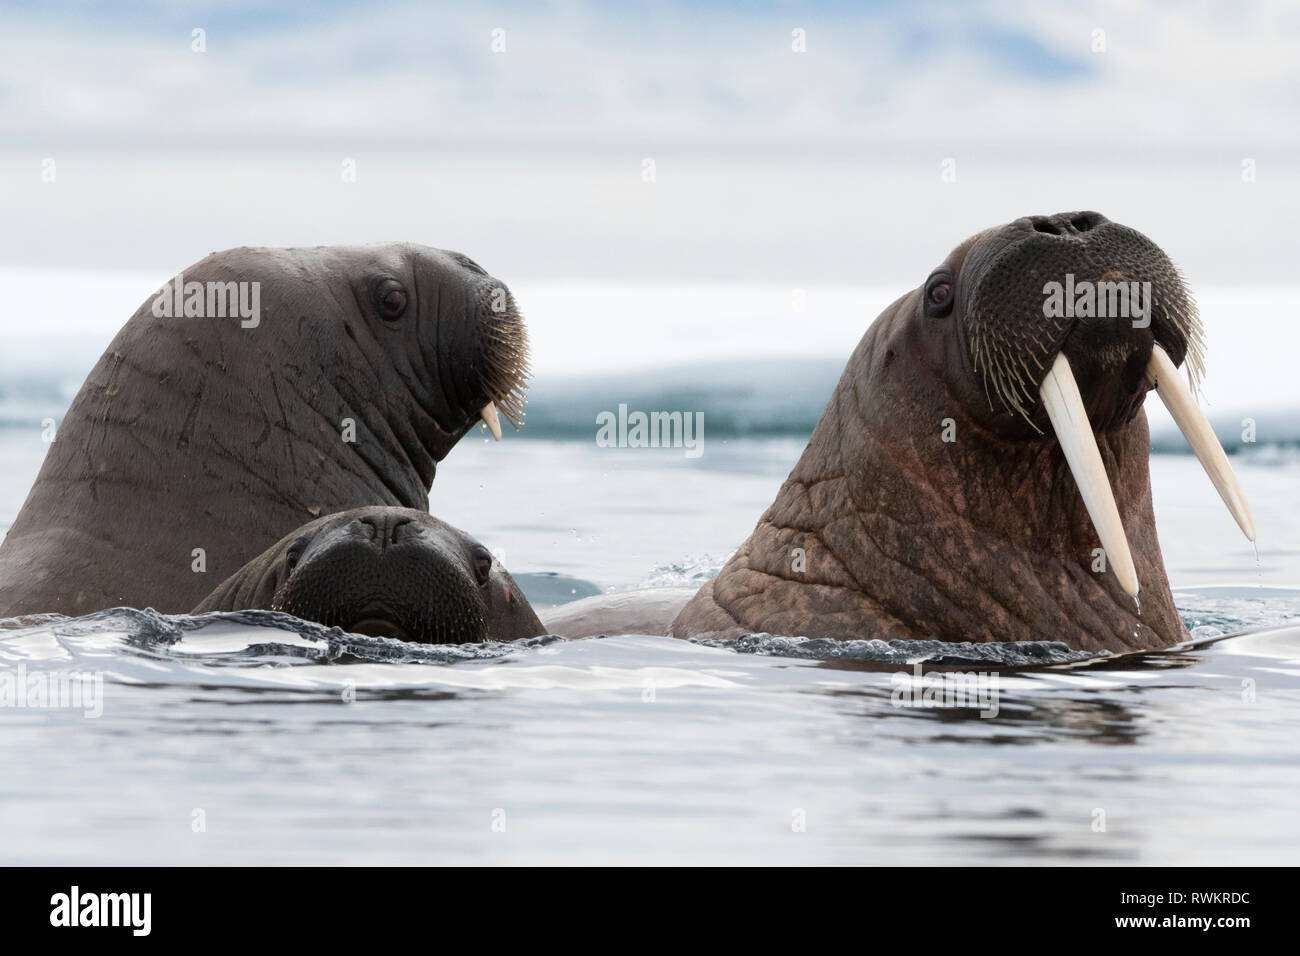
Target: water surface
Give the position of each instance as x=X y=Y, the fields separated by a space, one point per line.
x=293 y=745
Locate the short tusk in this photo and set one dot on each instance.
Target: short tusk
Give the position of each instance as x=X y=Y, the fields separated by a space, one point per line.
x=491 y=419
x=1196 y=429
x=1069 y=418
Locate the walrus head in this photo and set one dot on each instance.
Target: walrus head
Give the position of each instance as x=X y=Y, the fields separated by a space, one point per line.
x=257 y=390
x=385 y=572
x=980 y=472
x=441 y=342
x=1000 y=290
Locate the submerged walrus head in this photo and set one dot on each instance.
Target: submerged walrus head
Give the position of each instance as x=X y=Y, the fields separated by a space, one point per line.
x=385 y=572
x=980 y=472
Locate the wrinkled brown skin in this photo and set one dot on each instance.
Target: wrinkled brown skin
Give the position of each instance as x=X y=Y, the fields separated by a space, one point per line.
x=910 y=537
x=199 y=433
x=403 y=568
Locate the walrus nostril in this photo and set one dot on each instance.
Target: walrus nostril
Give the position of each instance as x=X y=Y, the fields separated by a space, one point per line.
x=396 y=527
x=385 y=529
x=1066 y=224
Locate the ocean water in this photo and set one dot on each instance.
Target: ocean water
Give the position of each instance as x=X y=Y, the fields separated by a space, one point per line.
x=253 y=738
x=302 y=748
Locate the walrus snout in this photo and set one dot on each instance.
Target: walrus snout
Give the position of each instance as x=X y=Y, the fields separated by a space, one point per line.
x=383 y=573
x=386 y=572
x=1113 y=320
x=486 y=332
x=473 y=351
x=502 y=356
x=386 y=528
x=1078 y=284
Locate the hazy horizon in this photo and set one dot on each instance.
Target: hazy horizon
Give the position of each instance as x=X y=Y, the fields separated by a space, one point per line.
x=527 y=148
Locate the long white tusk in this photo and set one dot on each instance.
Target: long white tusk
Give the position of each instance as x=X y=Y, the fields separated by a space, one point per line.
x=1196 y=429
x=1069 y=418
x=491 y=419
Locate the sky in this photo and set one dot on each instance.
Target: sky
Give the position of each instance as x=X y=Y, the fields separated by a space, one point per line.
x=832 y=144
x=659 y=183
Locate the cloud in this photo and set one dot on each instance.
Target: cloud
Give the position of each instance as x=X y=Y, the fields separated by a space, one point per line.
x=813 y=166
x=407 y=75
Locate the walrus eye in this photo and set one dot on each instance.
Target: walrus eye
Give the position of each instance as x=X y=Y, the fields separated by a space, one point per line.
x=938 y=296
x=390 y=298
x=293 y=556
x=482 y=565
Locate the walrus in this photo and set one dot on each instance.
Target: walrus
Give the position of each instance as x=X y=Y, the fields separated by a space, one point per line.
x=980 y=472
x=265 y=388
x=386 y=572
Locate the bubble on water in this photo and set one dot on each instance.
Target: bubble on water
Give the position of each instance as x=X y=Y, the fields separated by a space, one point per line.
x=153 y=633
x=992 y=653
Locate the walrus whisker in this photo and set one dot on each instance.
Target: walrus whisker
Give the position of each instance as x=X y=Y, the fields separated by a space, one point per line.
x=503 y=343
x=1007 y=380
x=1069 y=419
x=1194 y=360
x=1191 y=421
x=1009 y=385
x=979 y=360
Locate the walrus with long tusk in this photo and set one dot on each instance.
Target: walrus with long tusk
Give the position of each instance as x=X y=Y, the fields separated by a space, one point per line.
x=385 y=572
x=980 y=472
x=265 y=388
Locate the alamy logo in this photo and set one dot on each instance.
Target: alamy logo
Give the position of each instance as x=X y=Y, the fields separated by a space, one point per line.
x=1118 y=300
x=210 y=300
x=651 y=430
x=72 y=690
x=977 y=690
x=102 y=909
